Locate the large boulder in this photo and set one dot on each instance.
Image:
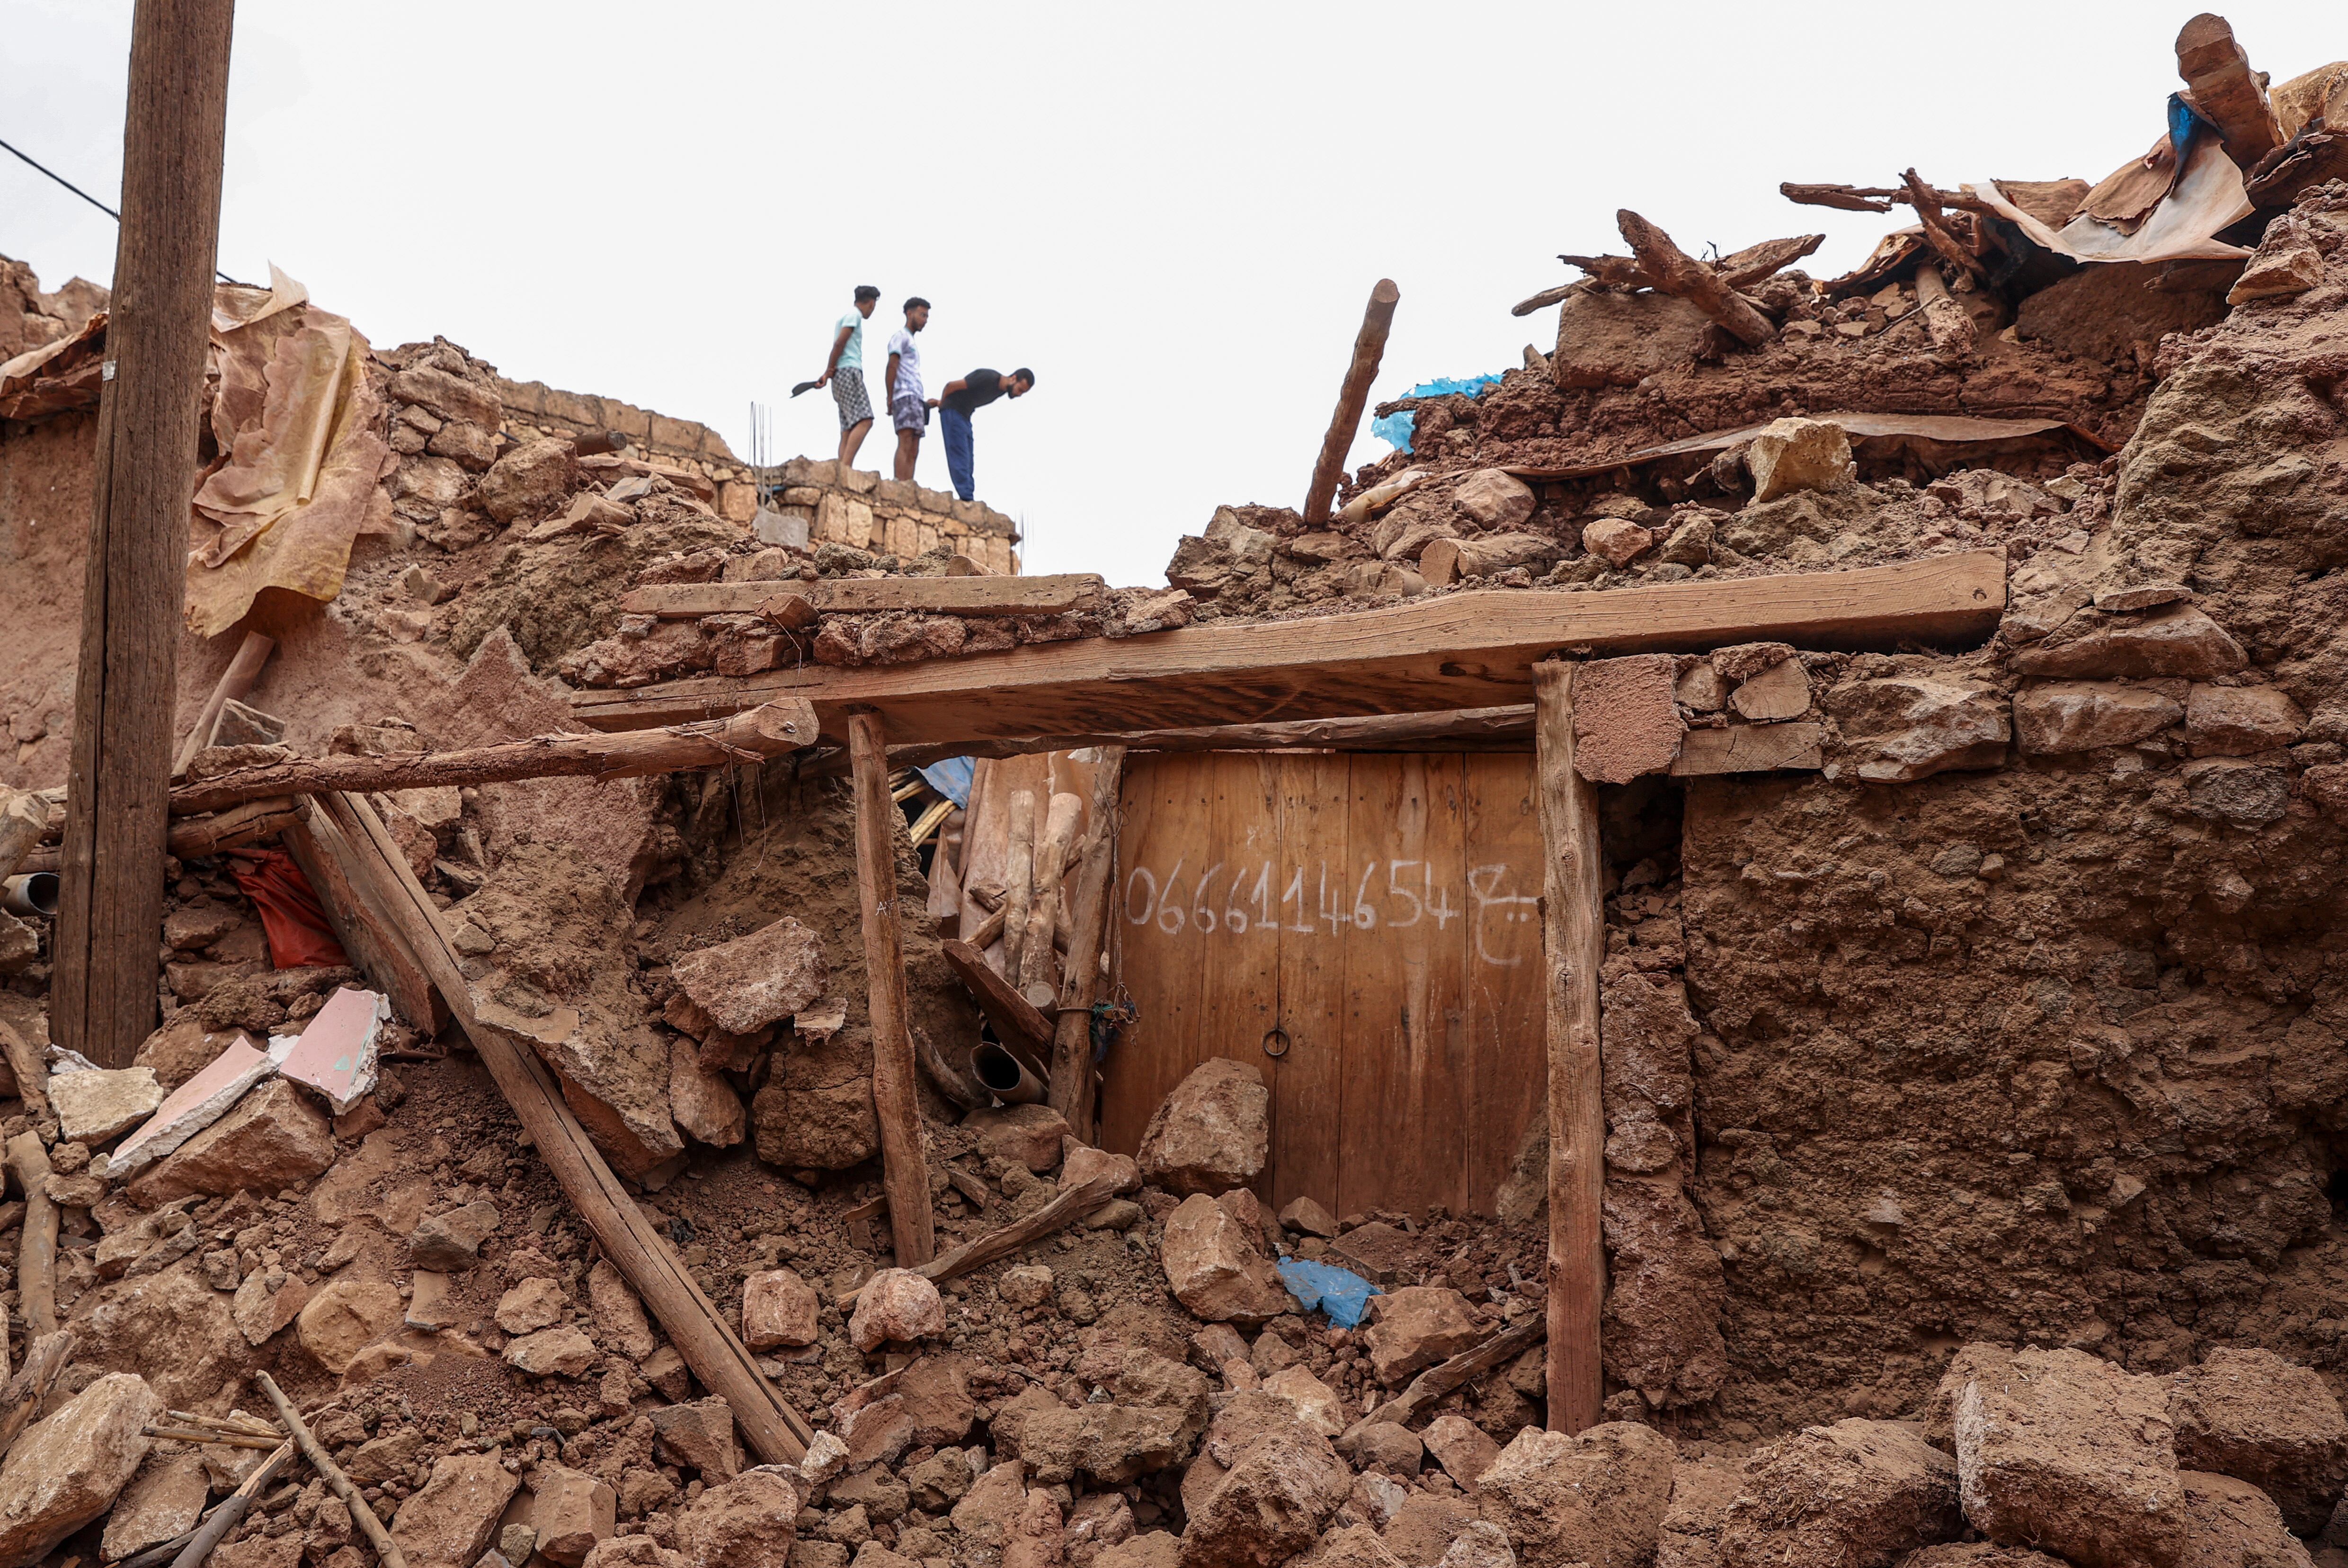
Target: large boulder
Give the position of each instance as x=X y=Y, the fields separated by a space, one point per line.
x=1413 y=1328
x=571 y=1511
x=1789 y=455
x=2254 y=1415
x=756 y=980
x=750 y=1521
x=2052 y=717
x=896 y=1306
x=1904 y=728
x=450 y=1524
x=1215 y=1266
x=1856 y=1494
x=2065 y=1452
x=1263 y=1485
x=275 y=1138
x=1596 y=1497
x=779 y=1310
x=531 y=479
x=1212 y=1133
x=65 y=1471
x=2170 y=640
x=2231 y=1523
x=172 y=1330
x=1112 y=1443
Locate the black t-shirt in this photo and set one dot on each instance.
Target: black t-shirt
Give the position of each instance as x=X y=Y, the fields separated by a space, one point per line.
x=979 y=388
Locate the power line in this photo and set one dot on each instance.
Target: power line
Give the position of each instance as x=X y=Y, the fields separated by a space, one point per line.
x=85 y=195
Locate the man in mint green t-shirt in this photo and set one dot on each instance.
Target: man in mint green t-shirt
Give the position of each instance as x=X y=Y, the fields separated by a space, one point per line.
x=844 y=371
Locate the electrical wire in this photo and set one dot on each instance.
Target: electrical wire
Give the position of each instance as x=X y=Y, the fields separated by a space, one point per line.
x=85 y=195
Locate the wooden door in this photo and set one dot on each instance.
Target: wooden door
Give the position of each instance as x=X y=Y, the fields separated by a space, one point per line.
x=1361 y=926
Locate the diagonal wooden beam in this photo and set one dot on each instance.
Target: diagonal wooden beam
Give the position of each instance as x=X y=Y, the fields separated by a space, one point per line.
x=1449 y=651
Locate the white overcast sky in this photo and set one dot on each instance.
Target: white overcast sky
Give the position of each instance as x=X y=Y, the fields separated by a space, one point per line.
x=1174 y=213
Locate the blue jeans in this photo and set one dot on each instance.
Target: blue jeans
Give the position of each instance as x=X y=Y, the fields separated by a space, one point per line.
x=955 y=427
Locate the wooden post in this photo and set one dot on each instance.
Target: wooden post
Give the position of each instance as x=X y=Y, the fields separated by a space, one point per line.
x=1072 y=1041
x=1573 y=941
x=1675 y=271
x=102 y=994
x=904 y=1171
x=1037 y=959
x=1369 y=347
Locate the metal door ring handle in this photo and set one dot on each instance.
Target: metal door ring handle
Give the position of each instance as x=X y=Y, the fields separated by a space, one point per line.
x=1275 y=1043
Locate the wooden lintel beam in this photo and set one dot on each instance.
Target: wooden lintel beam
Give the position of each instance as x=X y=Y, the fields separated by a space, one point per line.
x=1451 y=651
x=990 y=596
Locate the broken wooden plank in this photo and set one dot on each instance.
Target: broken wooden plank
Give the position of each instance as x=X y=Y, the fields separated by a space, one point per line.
x=976 y=596
x=700 y=1334
x=1016 y=1021
x=1450 y=651
x=755 y=736
x=1072 y=1035
x=905 y=1170
x=235 y=685
x=1573 y=943
x=1444 y=1377
x=1073 y=1204
x=1750 y=749
x=1353 y=395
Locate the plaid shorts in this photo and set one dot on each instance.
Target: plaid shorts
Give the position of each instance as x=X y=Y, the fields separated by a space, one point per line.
x=909 y=414
x=848 y=391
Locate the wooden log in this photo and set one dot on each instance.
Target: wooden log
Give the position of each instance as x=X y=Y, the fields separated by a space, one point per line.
x=387 y=1549
x=1945 y=317
x=102 y=983
x=1573 y=942
x=191 y=837
x=904 y=1171
x=2225 y=89
x=234 y=685
x=1614 y=272
x=1017 y=1023
x=21 y=1400
x=187 y=1434
x=766 y=731
x=1548 y=298
x=1759 y=263
x=1353 y=395
x=1842 y=198
x=1018 y=885
x=1444 y=1377
x=700 y=1334
x=364 y=922
x=229 y=1514
x=1037 y=981
x=1937 y=232
x=1465 y=650
x=1072 y=1035
x=958 y=596
x=37 y=1251
x=1073 y=1204
x=1676 y=273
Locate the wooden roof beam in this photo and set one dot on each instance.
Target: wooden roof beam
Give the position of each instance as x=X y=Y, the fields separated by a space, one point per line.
x=1455 y=651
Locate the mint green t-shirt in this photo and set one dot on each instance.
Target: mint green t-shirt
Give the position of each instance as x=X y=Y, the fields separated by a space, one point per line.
x=853 y=356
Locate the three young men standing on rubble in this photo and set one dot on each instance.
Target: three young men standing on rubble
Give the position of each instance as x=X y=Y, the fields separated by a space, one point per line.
x=908 y=409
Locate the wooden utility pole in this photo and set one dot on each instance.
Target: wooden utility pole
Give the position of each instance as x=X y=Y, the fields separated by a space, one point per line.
x=102 y=992
x=1369 y=347
x=1573 y=941
x=905 y=1169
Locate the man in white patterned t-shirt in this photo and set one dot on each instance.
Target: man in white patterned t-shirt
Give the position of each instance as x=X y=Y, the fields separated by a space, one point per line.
x=908 y=410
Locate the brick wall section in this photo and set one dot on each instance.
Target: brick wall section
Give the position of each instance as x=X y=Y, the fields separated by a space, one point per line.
x=895 y=517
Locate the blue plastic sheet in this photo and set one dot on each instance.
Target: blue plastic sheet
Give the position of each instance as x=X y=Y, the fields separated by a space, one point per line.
x=951 y=779
x=1339 y=1292
x=1395 y=429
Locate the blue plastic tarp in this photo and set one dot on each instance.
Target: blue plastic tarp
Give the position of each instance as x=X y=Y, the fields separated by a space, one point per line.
x=1395 y=429
x=951 y=779
x=1339 y=1292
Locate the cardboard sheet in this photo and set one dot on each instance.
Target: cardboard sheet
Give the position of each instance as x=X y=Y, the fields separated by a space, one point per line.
x=302 y=431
